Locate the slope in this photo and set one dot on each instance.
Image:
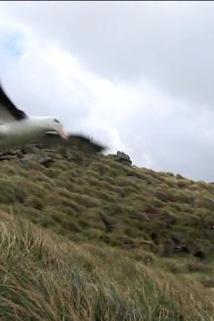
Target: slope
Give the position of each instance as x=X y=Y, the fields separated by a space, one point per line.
x=158 y=220
x=46 y=277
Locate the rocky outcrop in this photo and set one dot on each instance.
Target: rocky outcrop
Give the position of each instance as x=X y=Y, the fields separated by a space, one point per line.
x=123 y=158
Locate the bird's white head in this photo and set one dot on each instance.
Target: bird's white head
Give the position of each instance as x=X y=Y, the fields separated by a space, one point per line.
x=58 y=127
x=53 y=124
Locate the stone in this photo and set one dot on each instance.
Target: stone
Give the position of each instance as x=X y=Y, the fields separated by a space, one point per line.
x=123 y=158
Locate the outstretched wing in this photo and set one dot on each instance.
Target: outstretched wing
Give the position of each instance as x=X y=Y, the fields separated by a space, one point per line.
x=81 y=142
x=8 y=111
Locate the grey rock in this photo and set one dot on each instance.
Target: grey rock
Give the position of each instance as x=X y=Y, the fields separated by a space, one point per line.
x=123 y=158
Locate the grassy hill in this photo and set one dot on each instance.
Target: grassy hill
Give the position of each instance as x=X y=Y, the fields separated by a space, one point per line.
x=87 y=238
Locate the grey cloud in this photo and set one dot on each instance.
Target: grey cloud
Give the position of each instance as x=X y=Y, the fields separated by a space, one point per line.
x=169 y=44
x=173 y=142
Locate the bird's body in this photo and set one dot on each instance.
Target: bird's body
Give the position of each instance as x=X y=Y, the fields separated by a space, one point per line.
x=17 y=129
x=26 y=131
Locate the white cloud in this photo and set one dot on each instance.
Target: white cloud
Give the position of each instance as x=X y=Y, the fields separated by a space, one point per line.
x=58 y=63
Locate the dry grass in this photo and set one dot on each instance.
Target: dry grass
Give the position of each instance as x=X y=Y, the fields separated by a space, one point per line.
x=45 y=277
x=125 y=204
x=91 y=239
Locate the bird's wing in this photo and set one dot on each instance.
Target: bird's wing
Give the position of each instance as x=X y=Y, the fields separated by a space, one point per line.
x=81 y=142
x=8 y=111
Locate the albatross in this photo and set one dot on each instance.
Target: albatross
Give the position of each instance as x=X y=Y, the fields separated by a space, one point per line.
x=18 y=129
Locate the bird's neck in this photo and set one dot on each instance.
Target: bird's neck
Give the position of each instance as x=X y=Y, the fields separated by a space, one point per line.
x=26 y=127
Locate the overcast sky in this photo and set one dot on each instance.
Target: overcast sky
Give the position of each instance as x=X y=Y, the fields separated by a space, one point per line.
x=138 y=76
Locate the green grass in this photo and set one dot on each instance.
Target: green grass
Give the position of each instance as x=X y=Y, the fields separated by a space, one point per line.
x=140 y=203
x=46 y=277
x=91 y=239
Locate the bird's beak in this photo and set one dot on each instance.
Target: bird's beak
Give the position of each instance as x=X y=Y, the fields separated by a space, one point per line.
x=62 y=133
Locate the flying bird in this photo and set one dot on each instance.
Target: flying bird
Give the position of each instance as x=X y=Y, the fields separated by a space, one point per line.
x=18 y=129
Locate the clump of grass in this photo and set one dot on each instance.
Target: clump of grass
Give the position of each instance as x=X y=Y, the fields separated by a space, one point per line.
x=45 y=277
x=34 y=202
x=10 y=191
x=101 y=201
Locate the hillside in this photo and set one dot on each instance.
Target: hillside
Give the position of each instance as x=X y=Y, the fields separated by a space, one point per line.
x=87 y=238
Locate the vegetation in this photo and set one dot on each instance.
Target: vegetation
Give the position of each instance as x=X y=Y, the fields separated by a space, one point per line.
x=88 y=238
x=45 y=277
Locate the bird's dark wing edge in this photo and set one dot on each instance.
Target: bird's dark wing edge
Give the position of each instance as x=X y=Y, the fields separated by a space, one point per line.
x=79 y=141
x=8 y=104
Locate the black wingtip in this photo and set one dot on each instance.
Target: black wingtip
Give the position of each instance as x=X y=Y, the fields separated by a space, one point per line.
x=5 y=101
x=79 y=141
x=90 y=143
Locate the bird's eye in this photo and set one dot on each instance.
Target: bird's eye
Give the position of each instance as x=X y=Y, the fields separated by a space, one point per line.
x=57 y=121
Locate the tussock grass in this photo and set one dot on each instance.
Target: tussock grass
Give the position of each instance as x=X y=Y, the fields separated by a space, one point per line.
x=142 y=201
x=90 y=239
x=46 y=277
